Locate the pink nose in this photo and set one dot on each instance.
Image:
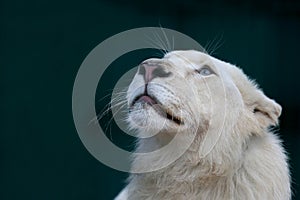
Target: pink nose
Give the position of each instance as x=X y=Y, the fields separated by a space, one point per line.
x=152 y=70
x=149 y=75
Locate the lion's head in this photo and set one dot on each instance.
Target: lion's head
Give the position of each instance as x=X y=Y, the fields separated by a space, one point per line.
x=194 y=94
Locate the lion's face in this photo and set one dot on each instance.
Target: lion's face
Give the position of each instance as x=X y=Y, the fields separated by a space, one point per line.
x=192 y=91
x=183 y=90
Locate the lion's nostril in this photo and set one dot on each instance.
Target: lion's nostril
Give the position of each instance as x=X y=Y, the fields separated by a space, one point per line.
x=142 y=70
x=152 y=70
x=160 y=72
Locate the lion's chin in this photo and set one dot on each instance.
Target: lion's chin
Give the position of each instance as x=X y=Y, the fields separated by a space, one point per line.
x=145 y=105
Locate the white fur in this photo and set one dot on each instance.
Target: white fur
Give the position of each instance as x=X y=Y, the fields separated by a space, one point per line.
x=243 y=160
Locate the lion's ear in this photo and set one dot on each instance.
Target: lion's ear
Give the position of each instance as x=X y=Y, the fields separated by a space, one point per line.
x=266 y=111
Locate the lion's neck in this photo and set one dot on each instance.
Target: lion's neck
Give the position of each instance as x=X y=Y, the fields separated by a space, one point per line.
x=200 y=177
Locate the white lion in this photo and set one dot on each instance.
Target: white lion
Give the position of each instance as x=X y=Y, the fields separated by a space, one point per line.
x=233 y=154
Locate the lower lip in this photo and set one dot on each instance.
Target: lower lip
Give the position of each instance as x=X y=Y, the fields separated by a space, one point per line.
x=147 y=100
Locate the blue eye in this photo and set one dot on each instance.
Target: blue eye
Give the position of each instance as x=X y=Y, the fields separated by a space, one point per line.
x=205 y=71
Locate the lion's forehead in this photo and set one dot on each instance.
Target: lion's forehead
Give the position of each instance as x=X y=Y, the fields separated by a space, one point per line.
x=189 y=57
x=192 y=59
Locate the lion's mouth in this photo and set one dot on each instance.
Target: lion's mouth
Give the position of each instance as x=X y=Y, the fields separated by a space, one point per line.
x=146 y=99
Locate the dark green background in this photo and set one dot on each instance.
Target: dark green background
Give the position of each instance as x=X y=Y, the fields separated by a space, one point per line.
x=42 y=44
